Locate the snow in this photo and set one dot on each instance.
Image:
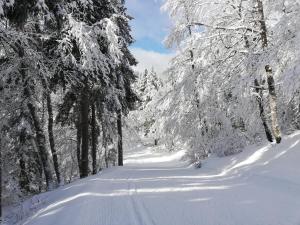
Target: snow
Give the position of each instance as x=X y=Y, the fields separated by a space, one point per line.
x=259 y=186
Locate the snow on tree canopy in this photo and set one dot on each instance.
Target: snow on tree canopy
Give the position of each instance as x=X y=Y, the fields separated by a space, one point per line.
x=92 y=57
x=5 y=3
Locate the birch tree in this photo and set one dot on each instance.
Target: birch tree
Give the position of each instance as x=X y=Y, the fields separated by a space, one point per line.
x=232 y=41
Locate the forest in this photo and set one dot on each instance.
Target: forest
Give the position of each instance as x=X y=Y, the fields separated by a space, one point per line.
x=72 y=105
x=65 y=83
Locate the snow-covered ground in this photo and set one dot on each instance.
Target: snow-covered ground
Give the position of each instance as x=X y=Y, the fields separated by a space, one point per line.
x=260 y=186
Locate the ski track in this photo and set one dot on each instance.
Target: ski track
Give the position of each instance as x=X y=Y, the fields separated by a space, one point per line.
x=152 y=190
x=138 y=219
x=139 y=207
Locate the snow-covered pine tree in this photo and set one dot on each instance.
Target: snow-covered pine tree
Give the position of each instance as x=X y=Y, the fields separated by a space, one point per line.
x=125 y=75
x=107 y=75
x=24 y=71
x=88 y=57
x=45 y=59
x=147 y=85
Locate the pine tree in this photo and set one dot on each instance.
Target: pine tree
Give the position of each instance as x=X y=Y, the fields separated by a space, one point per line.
x=147 y=85
x=106 y=75
x=25 y=78
x=125 y=74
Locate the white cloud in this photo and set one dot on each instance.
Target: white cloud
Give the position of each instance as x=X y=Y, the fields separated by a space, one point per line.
x=149 y=21
x=148 y=59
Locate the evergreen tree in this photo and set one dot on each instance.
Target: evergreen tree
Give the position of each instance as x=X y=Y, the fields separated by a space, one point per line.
x=148 y=85
x=31 y=72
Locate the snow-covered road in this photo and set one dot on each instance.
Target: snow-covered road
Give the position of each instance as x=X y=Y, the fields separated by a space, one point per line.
x=260 y=186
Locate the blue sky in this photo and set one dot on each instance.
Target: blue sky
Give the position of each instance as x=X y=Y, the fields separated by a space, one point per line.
x=149 y=28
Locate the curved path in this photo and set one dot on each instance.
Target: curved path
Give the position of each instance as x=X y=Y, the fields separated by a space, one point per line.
x=258 y=187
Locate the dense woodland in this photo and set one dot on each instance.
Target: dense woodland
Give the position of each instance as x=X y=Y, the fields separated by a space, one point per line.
x=235 y=80
x=67 y=83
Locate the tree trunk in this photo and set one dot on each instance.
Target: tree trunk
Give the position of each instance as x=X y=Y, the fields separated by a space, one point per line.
x=38 y=162
x=262 y=111
x=23 y=180
x=85 y=131
x=101 y=117
x=270 y=79
x=51 y=138
x=120 y=141
x=273 y=104
x=78 y=152
x=106 y=156
x=191 y=51
x=1 y=149
x=94 y=140
x=263 y=26
x=40 y=136
x=41 y=144
x=189 y=27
